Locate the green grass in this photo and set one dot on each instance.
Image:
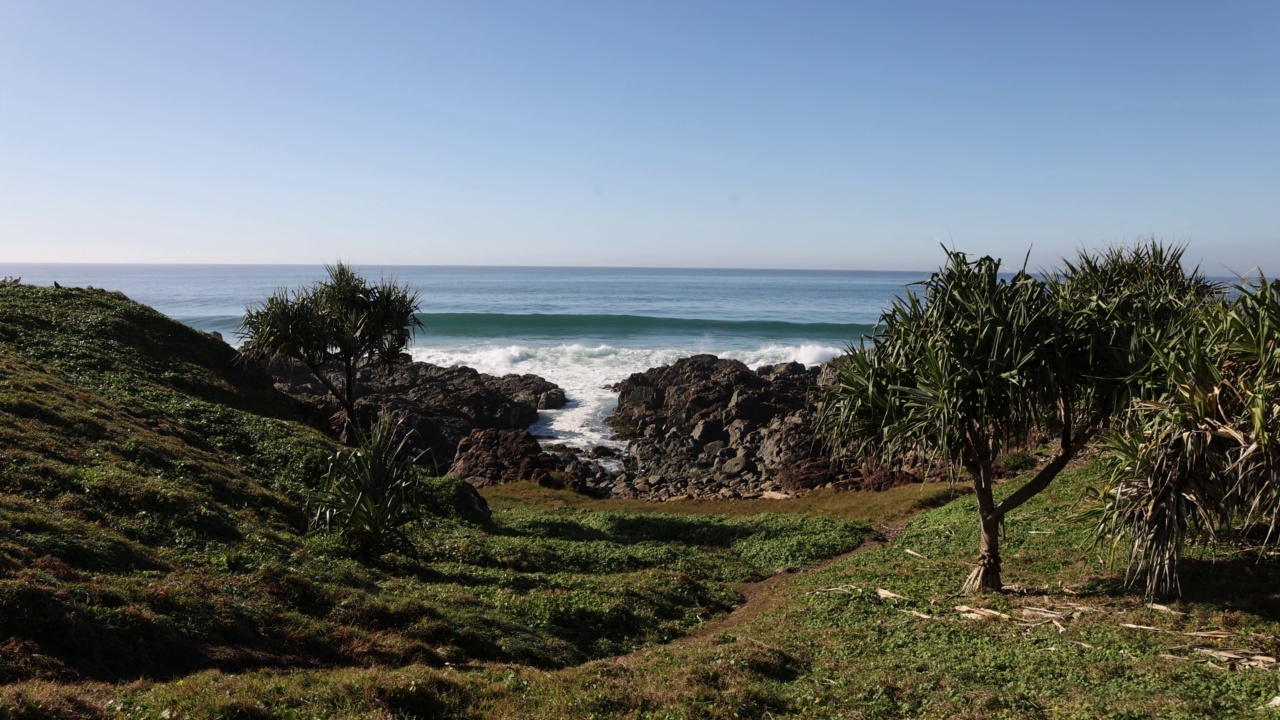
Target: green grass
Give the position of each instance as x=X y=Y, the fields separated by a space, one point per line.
x=829 y=646
x=887 y=510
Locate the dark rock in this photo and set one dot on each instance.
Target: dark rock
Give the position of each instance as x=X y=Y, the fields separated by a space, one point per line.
x=886 y=479
x=829 y=372
x=442 y=404
x=602 y=451
x=735 y=466
x=681 y=394
x=492 y=457
x=706 y=427
x=807 y=475
x=708 y=431
x=479 y=505
x=704 y=420
x=531 y=389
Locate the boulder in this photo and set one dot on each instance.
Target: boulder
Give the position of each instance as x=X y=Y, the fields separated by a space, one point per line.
x=708 y=427
x=531 y=389
x=808 y=474
x=886 y=479
x=492 y=457
x=705 y=421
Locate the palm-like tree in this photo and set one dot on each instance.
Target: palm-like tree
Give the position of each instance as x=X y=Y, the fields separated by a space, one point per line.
x=371 y=494
x=976 y=361
x=332 y=326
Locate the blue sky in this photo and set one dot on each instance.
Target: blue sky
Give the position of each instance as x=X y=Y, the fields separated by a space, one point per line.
x=734 y=134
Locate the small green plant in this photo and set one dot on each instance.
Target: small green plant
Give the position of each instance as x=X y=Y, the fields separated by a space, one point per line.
x=372 y=493
x=1017 y=461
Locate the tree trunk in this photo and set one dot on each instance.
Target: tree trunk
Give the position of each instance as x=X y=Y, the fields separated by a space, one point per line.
x=349 y=365
x=986 y=576
x=341 y=397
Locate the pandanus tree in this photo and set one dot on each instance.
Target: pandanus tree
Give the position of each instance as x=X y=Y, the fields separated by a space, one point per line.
x=979 y=362
x=1199 y=453
x=332 y=326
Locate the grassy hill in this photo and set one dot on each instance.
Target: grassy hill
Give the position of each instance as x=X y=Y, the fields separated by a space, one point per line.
x=154 y=563
x=152 y=524
x=1068 y=642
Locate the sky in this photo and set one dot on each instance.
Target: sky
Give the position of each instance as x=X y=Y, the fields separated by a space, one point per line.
x=843 y=135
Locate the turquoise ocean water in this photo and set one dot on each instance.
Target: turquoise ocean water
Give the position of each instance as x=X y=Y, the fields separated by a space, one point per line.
x=583 y=328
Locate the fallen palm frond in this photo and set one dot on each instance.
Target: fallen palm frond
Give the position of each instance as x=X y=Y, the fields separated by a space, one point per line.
x=1235 y=658
x=844 y=589
x=980 y=613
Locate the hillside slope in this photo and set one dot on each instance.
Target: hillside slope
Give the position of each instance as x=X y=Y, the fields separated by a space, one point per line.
x=153 y=523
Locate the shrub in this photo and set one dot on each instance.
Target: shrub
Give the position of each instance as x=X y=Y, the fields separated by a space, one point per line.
x=372 y=493
x=979 y=360
x=1200 y=452
x=1017 y=461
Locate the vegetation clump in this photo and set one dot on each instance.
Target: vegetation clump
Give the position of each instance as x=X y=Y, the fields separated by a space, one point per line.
x=371 y=494
x=977 y=362
x=1199 y=454
x=1016 y=461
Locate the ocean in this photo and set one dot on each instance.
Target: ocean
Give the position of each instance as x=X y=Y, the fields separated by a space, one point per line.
x=582 y=328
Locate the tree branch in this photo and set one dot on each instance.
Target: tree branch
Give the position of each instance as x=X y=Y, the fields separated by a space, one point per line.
x=1046 y=474
x=315 y=370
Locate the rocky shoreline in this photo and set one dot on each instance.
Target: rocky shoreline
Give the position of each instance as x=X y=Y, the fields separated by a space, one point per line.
x=702 y=427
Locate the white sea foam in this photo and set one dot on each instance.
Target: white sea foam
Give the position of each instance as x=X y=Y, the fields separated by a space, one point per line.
x=774 y=354
x=585 y=372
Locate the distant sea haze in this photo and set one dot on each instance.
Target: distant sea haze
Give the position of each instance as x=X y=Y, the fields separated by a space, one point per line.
x=583 y=328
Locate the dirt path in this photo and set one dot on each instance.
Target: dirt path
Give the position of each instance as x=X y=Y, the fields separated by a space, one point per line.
x=757 y=598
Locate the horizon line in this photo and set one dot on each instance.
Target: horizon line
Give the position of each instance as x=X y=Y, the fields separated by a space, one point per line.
x=460 y=265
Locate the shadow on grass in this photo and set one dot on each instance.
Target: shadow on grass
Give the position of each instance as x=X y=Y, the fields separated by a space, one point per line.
x=673 y=528
x=1242 y=583
x=632 y=529
x=558 y=529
